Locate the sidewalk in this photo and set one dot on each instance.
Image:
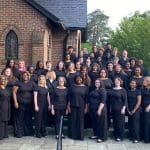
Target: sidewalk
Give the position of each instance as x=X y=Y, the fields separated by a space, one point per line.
x=49 y=143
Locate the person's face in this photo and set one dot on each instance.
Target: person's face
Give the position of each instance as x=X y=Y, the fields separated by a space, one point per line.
x=12 y=63
x=42 y=80
x=103 y=73
x=48 y=65
x=110 y=66
x=31 y=69
x=21 y=64
x=118 y=68
x=127 y=65
x=25 y=77
x=97 y=83
x=78 y=65
x=41 y=65
x=124 y=54
x=132 y=62
x=78 y=80
x=145 y=83
x=71 y=67
x=3 y=81
x=132 y=84
x=61 y=82
x=137 y=71
x=117 y=82
x=8 y=72
x=61 y=65
x=95 y=68
x=109 y=46
x=84 y=71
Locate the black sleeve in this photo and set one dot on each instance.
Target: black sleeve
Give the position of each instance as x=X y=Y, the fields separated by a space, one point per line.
x=124 y=97
x=103 y=96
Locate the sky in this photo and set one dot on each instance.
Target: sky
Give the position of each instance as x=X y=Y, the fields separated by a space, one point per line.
x=117 y=9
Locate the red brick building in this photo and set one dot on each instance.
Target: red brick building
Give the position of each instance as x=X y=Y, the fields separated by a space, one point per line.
x=40 y=29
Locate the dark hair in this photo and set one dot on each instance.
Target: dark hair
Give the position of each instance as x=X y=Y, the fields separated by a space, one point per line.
x=105 y=71
x=101 y=83
x=8 y=63
x=78 y=76
x=37 y=65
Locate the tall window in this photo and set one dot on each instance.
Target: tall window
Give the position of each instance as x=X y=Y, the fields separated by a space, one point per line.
x=11 y=45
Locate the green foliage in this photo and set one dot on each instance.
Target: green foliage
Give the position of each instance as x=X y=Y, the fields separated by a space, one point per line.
x=87 y=45
x=133 y=34
x=98 y=30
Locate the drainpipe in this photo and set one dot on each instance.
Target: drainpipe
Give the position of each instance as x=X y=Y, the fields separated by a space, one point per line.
x=65 y=43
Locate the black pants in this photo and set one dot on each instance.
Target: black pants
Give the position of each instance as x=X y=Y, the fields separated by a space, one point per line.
x=40 y=120
x=134 y=126
x=3 y=129
x=118 y=123
x=76 y=123
x=58 y=114
x=23 y=120
x=146 y=127
x=99 y=123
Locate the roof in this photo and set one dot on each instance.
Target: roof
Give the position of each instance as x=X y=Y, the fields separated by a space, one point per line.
x=68 y=13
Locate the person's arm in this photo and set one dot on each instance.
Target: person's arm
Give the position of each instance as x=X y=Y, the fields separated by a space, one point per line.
x=137 y=104
x=14 y=92
x=49 y=101
x=124 y=100
x=36 y=107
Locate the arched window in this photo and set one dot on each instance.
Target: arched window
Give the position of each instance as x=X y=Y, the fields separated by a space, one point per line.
x=11 y=45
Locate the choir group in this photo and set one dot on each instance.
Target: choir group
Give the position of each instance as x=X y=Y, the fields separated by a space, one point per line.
x=97 y=90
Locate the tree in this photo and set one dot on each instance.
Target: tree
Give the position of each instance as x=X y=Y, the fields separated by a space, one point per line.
x=98 y=31
x=133 y=34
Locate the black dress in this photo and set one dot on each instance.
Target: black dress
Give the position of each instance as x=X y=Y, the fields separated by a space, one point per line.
x=99 y=123
x=118 y=99
x=146 y=115
x=23 y=115
x=59 y=100
x=77 y=99
x=4 y=112
x=41 y=115
x=134 y=120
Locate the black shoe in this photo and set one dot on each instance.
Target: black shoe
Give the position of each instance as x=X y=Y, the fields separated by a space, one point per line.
x=18 y=136
x=38 y=135
x=99 y=140
x=93 y=137
x=63 y=137
x=44 y=135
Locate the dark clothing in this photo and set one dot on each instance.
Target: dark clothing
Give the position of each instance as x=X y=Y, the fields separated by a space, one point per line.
x=134 y=120
x=23 y=115
x=77 y=99
x=51 y=85
x=41 y=115
x=122 y=61
x=99 y=123
x=40 y=71
x=70 y=78
x=4 y=112
x=118 y=99
x=146 y=115
x=60 y=73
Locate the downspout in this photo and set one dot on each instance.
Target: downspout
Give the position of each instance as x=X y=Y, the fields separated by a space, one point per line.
x=65 y=43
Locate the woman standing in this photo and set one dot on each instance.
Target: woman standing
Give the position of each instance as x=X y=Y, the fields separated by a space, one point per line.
x=118 y=100
x=77 y=108
x=134 y=102
x=59 y=103
x=41 y=105
x=98 y=113
x=23 y=103
x=4 y=108
x=146 y=109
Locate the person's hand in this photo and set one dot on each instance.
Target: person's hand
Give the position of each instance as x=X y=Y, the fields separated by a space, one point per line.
x=99 y=112
x=49 y=107
x=85 y=110
x=147 y=109
x=69 y=109
x=133 y=111
x=67 y=112
x=16 y=105
x=123 y=111
x=130 y=113
x=53 y=112
x=36 y=108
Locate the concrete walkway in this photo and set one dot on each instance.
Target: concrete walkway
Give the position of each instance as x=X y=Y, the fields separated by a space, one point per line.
x=49 y=143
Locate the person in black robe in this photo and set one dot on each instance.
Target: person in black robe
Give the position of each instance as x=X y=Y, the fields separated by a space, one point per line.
x=118 y=100
x=39 y=70
x=23 y=106
x=77 y=107
x=98 y=113
x=133 y=109
x=41 y=105
x=4 y=107
x=59 y=103
x=146 y=110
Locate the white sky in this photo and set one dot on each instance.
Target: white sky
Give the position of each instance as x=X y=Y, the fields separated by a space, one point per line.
x=117 y=9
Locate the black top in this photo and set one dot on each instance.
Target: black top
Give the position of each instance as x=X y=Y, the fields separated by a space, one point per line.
x=96 y=97
x=139 y=81
x=4 y=104
x=60 y=73
x=118 y=98
x=132 y=98
x=145 y=97
x=42 y=95
x=78 y=95
x=70 y=79
x=25 y=92
x=60 y=98
x=107 y=83
x=51 y=85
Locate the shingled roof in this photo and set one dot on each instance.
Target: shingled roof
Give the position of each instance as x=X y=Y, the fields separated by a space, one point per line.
x=69 y=13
